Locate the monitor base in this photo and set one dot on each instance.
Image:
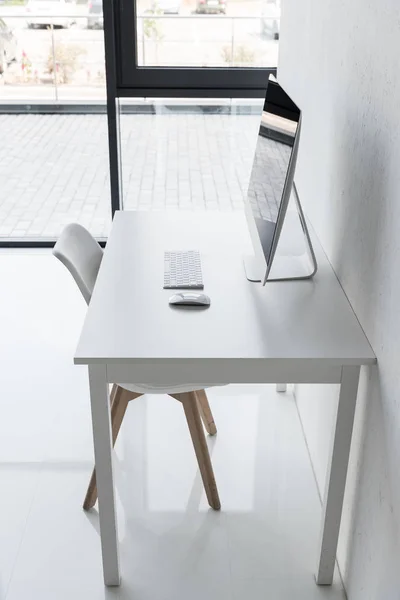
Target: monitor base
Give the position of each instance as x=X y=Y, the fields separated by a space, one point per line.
x=252 y=269
x=285 y=268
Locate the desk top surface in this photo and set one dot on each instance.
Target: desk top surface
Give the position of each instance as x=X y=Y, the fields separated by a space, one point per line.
x=129 y=319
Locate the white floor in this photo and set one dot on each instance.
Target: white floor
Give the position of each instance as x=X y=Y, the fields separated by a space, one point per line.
x=262 y=545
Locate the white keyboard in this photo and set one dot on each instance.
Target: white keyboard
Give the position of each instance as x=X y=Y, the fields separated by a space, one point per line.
x=182 y=270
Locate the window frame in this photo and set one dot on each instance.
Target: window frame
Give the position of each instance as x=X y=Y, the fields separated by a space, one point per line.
x=195 y=82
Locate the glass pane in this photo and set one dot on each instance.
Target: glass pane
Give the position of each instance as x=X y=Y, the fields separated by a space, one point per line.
x=53 y=168
x=53 y=171
x=208 y=33
x=188 y=155
x=52 y=51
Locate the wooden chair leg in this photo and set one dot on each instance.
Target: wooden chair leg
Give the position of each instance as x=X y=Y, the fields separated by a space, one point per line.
x=205 y=412
x=191 y=408
x=119 y=399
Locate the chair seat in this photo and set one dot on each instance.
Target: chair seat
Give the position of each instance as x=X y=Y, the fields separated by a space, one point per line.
x=148 y=388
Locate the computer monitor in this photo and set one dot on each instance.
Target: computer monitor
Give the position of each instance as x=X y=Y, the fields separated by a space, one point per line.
x=272 y=176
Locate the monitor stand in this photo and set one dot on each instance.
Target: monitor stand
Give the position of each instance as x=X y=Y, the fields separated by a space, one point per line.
x=288 y=264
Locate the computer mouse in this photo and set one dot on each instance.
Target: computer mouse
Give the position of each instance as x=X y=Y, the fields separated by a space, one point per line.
x=190 y=299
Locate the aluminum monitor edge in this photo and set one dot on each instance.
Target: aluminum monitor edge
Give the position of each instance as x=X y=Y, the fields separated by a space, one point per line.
x=287 y=190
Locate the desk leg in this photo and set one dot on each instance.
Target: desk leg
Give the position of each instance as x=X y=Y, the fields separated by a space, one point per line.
x=336 y=476
x=99 y=400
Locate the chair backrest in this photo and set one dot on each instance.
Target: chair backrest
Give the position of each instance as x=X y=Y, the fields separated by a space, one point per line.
x=81 y=254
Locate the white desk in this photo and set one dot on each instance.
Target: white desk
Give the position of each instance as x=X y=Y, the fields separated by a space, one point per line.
x=298 y=332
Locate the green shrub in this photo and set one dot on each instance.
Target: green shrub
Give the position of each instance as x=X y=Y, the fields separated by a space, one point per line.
x=64 y=62
x=242 y=56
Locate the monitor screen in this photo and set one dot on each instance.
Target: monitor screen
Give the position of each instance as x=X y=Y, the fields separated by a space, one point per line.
x=271 y=175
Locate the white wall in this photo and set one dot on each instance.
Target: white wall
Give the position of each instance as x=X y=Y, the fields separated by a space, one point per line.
x=340 y=60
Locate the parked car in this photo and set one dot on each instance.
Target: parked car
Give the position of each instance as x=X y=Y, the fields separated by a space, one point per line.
x=211 y=6
x=60 y=13
x=8 y=46
x=270 y=19
x=167 y=7
x=95 y=18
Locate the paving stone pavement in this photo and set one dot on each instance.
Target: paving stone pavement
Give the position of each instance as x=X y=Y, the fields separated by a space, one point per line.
x=54 y=168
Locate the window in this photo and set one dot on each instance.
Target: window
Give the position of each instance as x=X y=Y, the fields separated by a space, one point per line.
x=197 y=48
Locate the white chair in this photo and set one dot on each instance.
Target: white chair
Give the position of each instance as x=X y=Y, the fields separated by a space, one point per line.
x=82 y=256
